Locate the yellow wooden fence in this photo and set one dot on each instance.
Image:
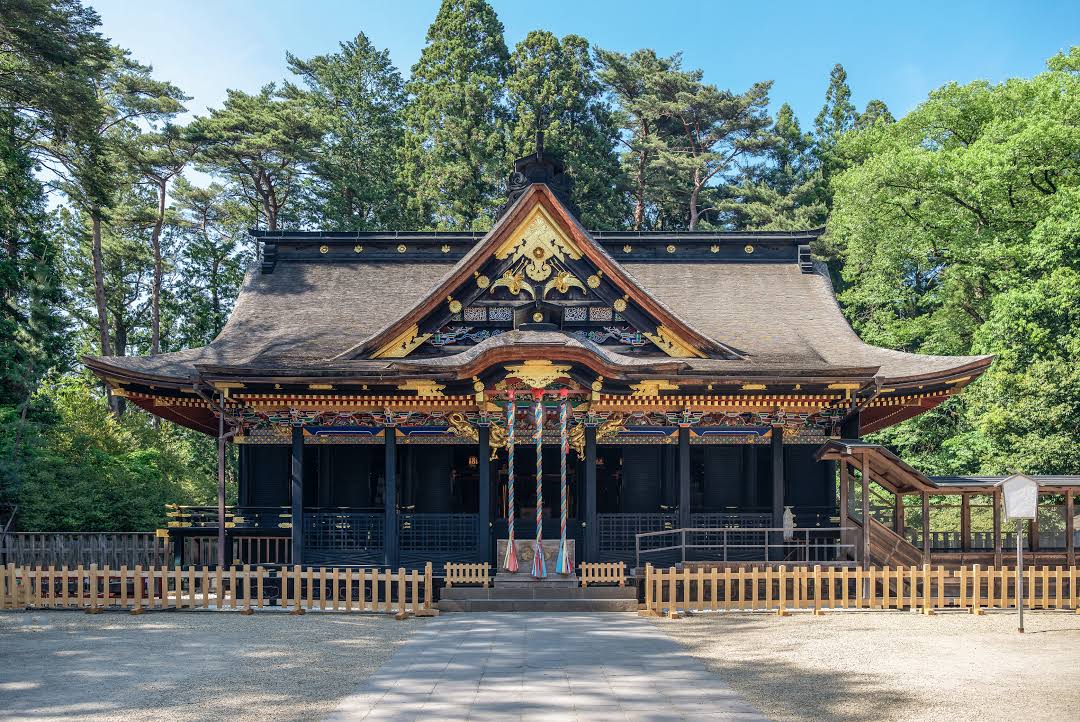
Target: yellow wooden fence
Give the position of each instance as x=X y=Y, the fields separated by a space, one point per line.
x=603 y=573
x=465 y=573
x=780 y=589
x=236 y=588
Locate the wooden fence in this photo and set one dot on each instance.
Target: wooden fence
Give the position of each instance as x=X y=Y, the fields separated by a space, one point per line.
x=463 y=573
x=924 y=588
x=74 y=548
x=237 y=588
x=603 y=573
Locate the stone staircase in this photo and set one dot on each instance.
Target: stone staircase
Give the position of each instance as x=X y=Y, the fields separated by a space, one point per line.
x=544 y=595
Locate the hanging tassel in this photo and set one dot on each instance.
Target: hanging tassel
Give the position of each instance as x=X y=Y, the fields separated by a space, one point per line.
x=563 y=564
x=539 y=569
x=510 y=563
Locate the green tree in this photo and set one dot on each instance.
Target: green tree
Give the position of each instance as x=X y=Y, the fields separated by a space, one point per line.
x=553 y=87
x=957 y=227
x=632 y=79
x=264 y=143
x=784 y=190
x=453 y=159
x=358 y=97
x=875 y=112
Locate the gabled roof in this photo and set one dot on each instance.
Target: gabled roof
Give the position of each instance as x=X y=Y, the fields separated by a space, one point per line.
x=734 y=307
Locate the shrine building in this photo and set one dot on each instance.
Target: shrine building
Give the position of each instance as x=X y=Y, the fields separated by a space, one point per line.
x=398 y=398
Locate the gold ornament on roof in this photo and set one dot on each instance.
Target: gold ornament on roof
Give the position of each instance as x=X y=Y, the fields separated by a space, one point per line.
x=357 y=248
x=537 y=373
x=652 y=387
x=669 y=342
x=482 y=282
x=539 y=243
x=455 y=305
x=671 y=249
x=423 y=387
x=748 y=248
x=514 y=283
x=563 y=282
x=324 y=249
x=619 y=304
x=627 y=248
x=402 y=248
x=445 y=248
x=538 y=317
x=593 y=281
x=715 y=248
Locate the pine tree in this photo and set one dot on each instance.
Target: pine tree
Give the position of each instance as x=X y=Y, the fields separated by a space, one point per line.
x=837 y=115
x=784 y=191
x=359 y=96
x=453 y=158
x=553 y=87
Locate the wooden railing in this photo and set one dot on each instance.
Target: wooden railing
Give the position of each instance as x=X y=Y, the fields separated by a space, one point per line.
x=464 y=573
x=74 y=548
x=780 y=589
x=603 y=573
x=139 y=589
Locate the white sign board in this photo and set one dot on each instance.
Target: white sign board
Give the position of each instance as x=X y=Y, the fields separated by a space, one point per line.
x=1021 y=495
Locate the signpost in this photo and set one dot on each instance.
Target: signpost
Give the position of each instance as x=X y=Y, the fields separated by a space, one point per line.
x=1021 y=496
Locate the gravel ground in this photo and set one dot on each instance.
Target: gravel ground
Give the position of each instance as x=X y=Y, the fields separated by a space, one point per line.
x=187 y=665
x=894 y=665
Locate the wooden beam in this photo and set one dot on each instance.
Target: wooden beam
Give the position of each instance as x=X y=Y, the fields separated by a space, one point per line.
x=926 y=527
x=845 y=484
x=898 y=515
x=997 y=528
x=965 y=522
x=1070 y=527
x=296 y=493
x=866 y=511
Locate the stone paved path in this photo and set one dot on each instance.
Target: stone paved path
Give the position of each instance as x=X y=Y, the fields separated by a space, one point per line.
x=543 y=666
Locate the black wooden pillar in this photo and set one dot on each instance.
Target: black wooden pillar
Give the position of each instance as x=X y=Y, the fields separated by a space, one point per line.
x=390 y=517
x=483 y=516
x=684 y=477
x=592 y=539
x=777 y=444
x=850 y=427
x=296 y=490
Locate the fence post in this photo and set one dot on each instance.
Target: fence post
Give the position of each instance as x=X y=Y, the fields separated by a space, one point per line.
x=672 y=613
x=401 y=609
x=296 y=576
x=781 y=609
x=926 y=590
x=976 y=590
x=817 y=591
x=247 y=591
x=648 y=589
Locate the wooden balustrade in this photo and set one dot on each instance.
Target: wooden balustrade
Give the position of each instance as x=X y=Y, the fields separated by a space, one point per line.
x=235 y=588
x=463 y=573
x=603 y=573
x=780 y=589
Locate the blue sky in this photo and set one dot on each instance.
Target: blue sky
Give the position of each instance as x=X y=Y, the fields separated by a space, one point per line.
x=894 y=51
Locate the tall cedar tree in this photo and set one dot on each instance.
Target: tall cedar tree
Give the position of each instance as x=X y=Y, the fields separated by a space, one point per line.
x=453 y=159
x=358 y=97
x=262 y=142
x=553 y=87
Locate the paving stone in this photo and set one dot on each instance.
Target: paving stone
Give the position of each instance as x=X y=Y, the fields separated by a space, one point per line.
x=543 y=666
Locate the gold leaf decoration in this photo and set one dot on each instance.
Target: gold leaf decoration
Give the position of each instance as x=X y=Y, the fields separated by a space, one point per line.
x=669 y=342
x=748 y=248
x=537 y=373
x=539 y=243
x=324 y=249
x=404 y=344
x=563 y=282
x=619 y=304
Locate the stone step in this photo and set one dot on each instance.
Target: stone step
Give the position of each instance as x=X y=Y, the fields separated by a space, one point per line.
x=538 y=593
x=538 y=605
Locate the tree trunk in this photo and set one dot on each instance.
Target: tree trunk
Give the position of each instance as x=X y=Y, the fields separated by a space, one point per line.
x=155 y=292
x=695 y=194
x=99 y=285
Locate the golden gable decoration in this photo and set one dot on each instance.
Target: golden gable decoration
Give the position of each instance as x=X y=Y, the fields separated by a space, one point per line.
x=539 y=243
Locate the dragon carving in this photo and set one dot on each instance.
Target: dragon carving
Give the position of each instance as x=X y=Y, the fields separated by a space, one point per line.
x=610 y=427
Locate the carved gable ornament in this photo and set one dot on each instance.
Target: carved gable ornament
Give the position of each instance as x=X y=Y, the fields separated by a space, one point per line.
x=540 y=268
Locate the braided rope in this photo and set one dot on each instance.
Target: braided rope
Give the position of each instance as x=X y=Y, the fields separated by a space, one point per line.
x=510 y=563
x=539 y=568
x=564 y=564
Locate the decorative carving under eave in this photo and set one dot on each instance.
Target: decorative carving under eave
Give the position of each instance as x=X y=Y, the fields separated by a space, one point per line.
x=670 y=343
x=404 y=344
x=536 y=373
x=514 y=283
x=460 y=427
x=537 y=244
x=423 y=387
x=653 y=387
x=563 y=282
x=612 y=426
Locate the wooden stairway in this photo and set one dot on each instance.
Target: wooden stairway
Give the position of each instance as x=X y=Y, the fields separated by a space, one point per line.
x=887 y=548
